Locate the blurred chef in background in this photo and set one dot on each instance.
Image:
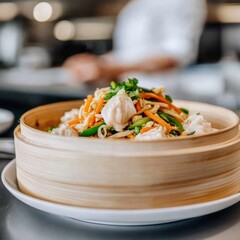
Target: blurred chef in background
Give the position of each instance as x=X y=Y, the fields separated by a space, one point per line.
x=151 y=37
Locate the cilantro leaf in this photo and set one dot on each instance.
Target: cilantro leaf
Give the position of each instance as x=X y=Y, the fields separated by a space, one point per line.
x=169 y=98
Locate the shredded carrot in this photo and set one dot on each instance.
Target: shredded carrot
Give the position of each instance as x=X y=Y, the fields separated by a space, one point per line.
x=94 y=136
x=81 y=119
x=146 y=129
x=160 y=99
x=99 y=105
x=97 y=111
x=138 y=106
x=91 y=121
x=98 y=123
x=88 y=102
x=74 y=121
x=131 y=136
x=158 y=120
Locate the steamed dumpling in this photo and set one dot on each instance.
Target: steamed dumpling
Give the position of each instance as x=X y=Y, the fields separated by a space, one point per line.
x=196 y=124
x=69 y=115
x=64 y=130
x=153 y=134
x=118 y=111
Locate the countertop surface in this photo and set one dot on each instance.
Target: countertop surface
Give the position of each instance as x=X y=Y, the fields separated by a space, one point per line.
x=21 y=222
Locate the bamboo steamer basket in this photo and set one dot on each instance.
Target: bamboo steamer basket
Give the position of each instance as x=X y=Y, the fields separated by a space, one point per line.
x=126 y=174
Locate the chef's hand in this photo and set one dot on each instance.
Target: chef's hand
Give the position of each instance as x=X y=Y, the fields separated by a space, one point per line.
x=86 y=67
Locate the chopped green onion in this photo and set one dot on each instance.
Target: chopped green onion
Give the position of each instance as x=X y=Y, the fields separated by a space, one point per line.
x=113 y=84
x=91 y=131
x=171 y=120
x=137 y=130
x=140 y=123
x=130 y=87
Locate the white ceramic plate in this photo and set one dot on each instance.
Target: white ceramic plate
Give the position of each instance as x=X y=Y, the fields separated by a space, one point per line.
x=116 y=217
x=6 y=119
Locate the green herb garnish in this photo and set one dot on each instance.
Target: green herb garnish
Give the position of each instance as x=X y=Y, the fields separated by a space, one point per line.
x=186 y=111
x=169 y=98
x=130 y=87
x=51 y=128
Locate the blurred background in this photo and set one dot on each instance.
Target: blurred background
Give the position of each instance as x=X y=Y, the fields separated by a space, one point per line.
x=37 y=37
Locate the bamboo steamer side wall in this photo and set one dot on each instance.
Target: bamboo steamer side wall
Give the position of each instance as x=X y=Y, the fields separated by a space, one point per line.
x=93 y=168
x=91 y=180
x=125 y=174
x=46 y=116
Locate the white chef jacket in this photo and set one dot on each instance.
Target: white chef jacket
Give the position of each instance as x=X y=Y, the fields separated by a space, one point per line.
x=164 y=27
x=148 y=28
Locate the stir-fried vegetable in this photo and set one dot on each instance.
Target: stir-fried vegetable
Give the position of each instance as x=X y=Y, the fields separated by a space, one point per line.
x=88 y=102
x=158 y=120
x=131 y=88
x=145 y=129
x=186 y=111
x=171 y=120
x=169 y=98
x=160 y=99
x=125 y=110
x=97 y=111
x=140 y=122
x=91 y=131
x=74 y=121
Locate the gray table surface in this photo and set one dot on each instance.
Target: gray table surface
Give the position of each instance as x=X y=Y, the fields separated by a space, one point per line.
x=21 y=222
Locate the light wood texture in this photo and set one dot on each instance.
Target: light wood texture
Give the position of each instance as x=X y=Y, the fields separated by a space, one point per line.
x=125 y=174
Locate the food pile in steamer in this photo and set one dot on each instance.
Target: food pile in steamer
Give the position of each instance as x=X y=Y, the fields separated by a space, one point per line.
x=126 y=111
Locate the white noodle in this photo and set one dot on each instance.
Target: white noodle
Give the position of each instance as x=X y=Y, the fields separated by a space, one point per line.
x=102 y=131
x=100 y=92
x=83 y=126
x=122 y=134
x=156 y=103
x=143 y=109
x=154 y=109
x=80 y=114
x=134 y=102
x=172 y=113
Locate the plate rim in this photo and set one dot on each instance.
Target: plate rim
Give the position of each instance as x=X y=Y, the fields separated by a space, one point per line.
x=149 y=216
x=10 y=115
